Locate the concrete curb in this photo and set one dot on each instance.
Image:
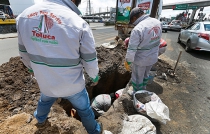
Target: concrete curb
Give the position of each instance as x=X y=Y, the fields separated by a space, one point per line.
x=8 y=35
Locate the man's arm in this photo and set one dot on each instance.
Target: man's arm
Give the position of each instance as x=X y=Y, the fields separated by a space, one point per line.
x=88 y=53
x=22 y=50
x=134 y=42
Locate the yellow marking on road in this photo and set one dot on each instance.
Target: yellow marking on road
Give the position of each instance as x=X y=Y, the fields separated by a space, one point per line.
x=169 y=46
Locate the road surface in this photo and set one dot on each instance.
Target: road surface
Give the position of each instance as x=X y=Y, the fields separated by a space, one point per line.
x=197 y=61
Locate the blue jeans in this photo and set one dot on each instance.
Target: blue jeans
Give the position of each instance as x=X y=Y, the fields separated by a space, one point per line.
x=79 y=101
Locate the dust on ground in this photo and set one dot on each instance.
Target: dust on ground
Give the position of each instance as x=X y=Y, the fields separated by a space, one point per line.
x=184 y=97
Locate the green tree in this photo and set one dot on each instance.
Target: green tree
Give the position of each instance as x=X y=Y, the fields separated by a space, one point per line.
x=180 y=16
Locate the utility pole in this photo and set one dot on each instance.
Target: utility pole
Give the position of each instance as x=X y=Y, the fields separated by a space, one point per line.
x=88 y=9
x=107 y=11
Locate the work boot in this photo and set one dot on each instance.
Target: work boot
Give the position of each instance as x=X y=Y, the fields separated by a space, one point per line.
x=42 y=125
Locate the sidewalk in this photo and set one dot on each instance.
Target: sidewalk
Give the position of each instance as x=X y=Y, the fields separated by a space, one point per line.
x=14 y=35
x=8 y=35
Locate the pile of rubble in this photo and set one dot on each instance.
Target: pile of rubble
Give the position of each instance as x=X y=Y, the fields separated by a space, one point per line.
x=19 y=94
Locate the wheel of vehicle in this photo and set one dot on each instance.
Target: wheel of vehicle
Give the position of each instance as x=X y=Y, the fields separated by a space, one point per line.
x=165 y=31
x=187 y=48
x=178 y=39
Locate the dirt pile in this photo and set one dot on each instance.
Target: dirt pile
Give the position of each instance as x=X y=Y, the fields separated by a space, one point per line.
x=19 y=95
x=18 y=92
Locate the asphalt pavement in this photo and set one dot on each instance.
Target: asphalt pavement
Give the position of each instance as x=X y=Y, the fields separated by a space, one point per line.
x=196 y=61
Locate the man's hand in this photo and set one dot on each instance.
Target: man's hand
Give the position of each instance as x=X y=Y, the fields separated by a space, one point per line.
x=95 y=81
x=94 y=84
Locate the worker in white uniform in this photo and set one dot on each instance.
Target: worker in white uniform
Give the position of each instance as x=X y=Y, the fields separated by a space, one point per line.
x=55 y=43
x=143 y=47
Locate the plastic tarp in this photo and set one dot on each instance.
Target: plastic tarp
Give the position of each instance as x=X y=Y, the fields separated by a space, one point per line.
x=152 y=106
x=138 y=124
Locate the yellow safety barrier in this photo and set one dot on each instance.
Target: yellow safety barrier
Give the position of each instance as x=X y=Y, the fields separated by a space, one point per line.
x=7 y=21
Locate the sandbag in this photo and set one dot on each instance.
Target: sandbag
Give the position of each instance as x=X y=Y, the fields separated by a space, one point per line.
x=138 y=124
x=150 y=104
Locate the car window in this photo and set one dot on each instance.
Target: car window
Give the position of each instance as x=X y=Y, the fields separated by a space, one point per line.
x=163 y=23
x=207 y=27
x=195 y=27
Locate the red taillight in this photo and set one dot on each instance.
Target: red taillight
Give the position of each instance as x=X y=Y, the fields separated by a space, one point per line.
x=204 y=36
x=197 y=48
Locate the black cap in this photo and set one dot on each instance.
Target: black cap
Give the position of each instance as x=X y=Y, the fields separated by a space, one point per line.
x=135 y=11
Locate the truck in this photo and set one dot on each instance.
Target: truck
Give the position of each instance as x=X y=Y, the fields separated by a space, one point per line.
x=123 y=8
x=7 y=18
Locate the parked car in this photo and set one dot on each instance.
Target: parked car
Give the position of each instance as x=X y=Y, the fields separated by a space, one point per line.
x=165 y=27
x=2 y=15
x=175 y=25
x=196 y=36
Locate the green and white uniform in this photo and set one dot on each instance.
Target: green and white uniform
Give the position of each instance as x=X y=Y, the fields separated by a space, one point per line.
x=56 y=43
x=143 y=49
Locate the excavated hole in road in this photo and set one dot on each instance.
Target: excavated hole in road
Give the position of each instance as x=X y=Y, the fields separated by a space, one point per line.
x=110 y=82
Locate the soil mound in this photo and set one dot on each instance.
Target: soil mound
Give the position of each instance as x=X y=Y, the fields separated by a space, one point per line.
x=19 y=94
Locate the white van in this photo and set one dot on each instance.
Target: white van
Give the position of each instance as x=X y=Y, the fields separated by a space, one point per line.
x=2 y=15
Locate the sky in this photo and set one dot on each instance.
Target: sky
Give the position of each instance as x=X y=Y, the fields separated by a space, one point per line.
x=99 y=5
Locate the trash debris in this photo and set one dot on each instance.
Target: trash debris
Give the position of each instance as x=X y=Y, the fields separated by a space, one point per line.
x=119 y=92
x=163 y=76
x=152 y=75
x=30 y=118
x=117 y=41
x=109 y=45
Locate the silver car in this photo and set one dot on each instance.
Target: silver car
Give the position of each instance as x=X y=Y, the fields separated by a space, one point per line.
x=175 y=25
x=165 y=27
x=196 y=36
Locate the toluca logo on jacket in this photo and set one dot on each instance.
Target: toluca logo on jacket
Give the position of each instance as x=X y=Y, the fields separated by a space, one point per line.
x=156 y=33
x=42 y=32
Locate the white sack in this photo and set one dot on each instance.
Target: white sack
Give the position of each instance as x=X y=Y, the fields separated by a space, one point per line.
x=138 y=124
x=155 y=108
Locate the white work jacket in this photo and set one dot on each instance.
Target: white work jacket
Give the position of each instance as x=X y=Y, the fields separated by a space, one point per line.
x=144 y=42
x=56 y=44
